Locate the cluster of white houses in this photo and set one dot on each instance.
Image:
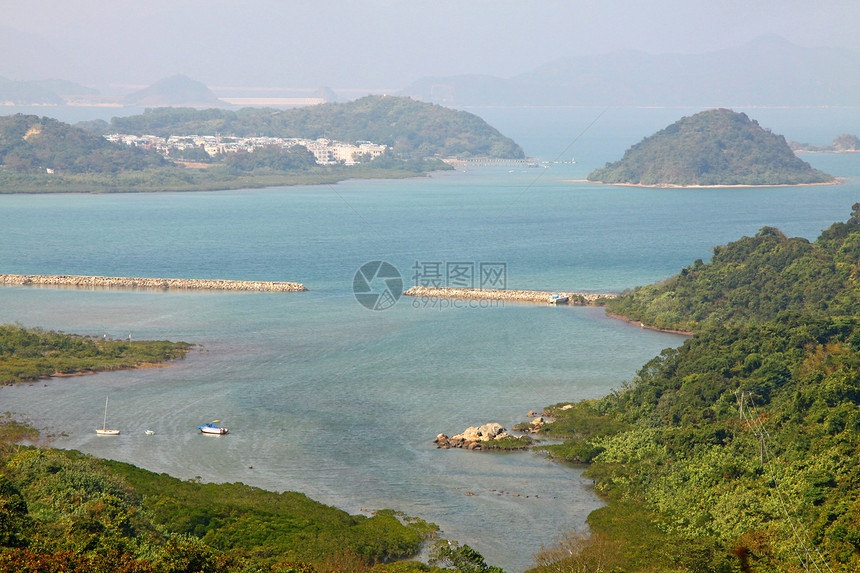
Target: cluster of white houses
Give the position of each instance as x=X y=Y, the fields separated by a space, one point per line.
x=326 y=151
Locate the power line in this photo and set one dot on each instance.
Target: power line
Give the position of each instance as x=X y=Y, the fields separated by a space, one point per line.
x=748 y=413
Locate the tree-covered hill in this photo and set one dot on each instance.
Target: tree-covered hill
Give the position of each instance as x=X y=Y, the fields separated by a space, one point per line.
x=734 y=452
x=410 y=127
x=754 y=279
x=44 y=155
x=714 y=147
x=738 y=450
x=32 y=144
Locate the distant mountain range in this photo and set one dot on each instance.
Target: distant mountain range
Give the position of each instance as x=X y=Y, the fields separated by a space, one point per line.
x=42 y=92
x=767 y=72
x=176 y=90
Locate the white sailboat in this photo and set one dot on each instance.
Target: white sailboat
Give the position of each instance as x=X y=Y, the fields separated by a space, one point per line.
x=104 y=431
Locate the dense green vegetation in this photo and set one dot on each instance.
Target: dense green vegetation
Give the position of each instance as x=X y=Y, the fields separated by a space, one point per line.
x=411 y=128
x=43 y=155
x=27 y=354
x=271 y=158
x=211 y=179
x=736 y=451
x=64 y=511
x=754 y=279
x=714 y=147
x=32 y=144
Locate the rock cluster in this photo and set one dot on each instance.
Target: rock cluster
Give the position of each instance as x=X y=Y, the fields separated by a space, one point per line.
x=473 y=437
x=541 y=420
x=576 y=298
x=150 y=283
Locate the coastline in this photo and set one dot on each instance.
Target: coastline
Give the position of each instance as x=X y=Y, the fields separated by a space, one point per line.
x=837 y=181
x=100 y=183
x=84 y=281
x=648 y=327
x=139 y=366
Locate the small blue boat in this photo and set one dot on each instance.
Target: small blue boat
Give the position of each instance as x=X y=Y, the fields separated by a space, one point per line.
x=211 y=428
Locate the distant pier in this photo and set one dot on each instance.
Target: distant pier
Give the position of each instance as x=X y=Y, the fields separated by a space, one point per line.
x=76 y=281
x=490 y=161
x=535 y=296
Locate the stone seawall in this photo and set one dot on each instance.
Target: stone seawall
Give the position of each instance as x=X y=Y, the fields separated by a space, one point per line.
x=576 y=298
x=75 y=281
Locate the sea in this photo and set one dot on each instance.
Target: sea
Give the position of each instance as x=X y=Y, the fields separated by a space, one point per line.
x=342 y=402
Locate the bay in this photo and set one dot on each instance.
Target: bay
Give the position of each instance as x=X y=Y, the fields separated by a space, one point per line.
x=326 y=397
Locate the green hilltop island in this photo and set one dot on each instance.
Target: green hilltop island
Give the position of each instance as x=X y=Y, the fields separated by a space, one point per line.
x=712 y=148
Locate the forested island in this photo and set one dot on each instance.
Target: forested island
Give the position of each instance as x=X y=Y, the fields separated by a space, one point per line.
x=39 y=154
x=845 y=143
x=711 y=148
x=736 y=451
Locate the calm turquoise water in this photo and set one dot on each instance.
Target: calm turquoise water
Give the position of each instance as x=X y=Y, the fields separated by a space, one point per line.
x=342 y=403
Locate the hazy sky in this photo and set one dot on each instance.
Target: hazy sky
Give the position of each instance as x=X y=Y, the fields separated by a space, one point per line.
x=378 y=44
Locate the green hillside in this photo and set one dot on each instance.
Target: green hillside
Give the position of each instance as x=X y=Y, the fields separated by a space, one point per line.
x=68 y=512
x=31 y=144
x=739 y=446
x=44 y=155
x=714 y=147
x=754 y=279
x=737 y=450
x=410 y=127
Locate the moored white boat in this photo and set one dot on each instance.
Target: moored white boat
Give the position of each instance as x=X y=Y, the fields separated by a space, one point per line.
x=212 y=429
x=104 y=431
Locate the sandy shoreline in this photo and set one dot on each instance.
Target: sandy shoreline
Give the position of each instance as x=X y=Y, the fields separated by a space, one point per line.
x=643 y=325
x=671 y=186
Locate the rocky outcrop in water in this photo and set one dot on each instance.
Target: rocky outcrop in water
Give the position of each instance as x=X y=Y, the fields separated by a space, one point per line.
x=492 y=436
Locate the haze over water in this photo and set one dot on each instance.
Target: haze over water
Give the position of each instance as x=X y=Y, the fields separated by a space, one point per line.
x=342 y=403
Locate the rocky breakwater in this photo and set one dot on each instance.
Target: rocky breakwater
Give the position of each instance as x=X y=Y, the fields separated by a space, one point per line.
x=76 y=281
x=534 y=296
x=492 y=436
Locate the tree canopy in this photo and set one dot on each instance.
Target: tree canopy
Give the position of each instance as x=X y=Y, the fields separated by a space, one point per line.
x=714 y=147
x=754 y=279
x=30 y=144
x=411 y=128
x=737 y=450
